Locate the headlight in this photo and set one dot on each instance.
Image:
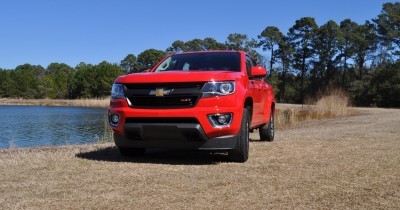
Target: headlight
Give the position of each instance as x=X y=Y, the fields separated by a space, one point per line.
x=218 y=88
x=117 y=91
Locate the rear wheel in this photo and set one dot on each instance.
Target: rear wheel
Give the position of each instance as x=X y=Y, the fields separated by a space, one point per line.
x=267 y=131
x=241 y=151
x=131 y=152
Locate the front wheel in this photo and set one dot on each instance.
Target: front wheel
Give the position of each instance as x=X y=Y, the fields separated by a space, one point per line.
x=267 y=131
x=241 y=151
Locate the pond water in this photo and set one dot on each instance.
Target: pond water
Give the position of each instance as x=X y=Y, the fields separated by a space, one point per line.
x=27 y=126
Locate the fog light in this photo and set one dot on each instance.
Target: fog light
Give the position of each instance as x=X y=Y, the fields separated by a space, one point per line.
x=114 y=119
x=220 y=120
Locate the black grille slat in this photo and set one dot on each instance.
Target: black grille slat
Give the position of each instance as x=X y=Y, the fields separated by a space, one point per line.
x=197 y=85
x=161 y=120
x=183 y=95
x=168 y=102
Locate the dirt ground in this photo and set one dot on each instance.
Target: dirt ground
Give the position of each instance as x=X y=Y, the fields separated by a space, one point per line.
x=349 y=162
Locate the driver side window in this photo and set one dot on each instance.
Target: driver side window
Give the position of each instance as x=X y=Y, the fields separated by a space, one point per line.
x=249 y=64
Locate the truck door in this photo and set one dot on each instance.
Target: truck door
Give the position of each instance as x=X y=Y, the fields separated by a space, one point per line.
x=257 y=87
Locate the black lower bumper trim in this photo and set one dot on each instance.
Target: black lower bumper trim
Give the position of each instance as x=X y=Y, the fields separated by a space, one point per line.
x=167 y=135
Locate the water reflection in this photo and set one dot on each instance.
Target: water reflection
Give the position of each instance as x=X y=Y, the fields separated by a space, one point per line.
x=24 y=126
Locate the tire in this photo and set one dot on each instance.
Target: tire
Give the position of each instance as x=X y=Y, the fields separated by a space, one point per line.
x=267 y=131
x=131 y=152
x=241 y=151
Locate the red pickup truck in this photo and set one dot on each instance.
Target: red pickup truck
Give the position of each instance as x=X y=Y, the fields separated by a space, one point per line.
x=207 y=100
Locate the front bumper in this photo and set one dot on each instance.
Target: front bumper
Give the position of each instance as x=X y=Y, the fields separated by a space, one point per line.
x=199 y=112
x=152 y=132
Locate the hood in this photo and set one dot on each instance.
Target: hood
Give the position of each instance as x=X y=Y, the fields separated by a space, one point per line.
x=179 y=76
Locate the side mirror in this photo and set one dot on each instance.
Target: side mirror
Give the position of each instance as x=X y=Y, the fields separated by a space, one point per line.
x=258 y=71
x=147 y=70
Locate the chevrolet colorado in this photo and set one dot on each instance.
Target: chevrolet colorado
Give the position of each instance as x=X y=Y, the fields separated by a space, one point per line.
x=207 y=100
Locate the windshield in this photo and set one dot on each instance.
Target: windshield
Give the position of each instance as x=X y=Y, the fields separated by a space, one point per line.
x=210 y=61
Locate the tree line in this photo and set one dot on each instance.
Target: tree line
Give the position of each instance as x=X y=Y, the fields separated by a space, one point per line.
x=362 y=59
x=59 y=81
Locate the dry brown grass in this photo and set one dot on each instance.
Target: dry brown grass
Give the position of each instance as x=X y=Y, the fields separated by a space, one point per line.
x=289 y=117
x=340 y=163
x=102 y=103
x=333 y=104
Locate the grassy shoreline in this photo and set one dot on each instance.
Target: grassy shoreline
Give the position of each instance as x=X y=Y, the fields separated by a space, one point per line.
x=95 y=103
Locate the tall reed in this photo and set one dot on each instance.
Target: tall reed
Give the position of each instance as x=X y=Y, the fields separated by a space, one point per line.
x=334 y=104
x=107 y=135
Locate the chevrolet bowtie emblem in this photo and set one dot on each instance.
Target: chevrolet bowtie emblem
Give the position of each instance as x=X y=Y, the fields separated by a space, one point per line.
x=160 y=92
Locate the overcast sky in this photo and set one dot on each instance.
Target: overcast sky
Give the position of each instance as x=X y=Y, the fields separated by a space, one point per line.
x=40 y=32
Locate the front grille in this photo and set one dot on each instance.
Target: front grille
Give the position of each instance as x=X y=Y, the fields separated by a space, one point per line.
x=163 y=128
x=187 y=136
x=169 y=95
